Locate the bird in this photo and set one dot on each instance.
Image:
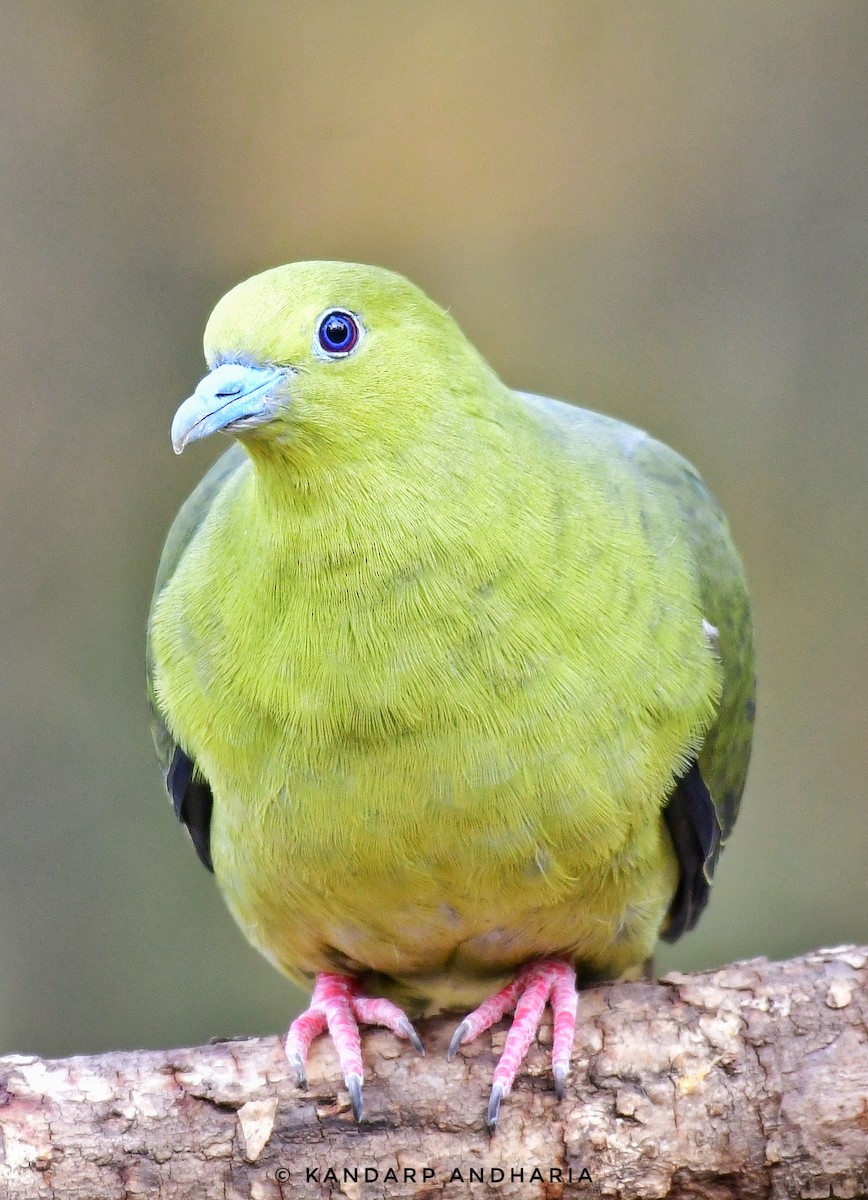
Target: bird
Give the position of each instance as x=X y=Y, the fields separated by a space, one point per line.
x=452 y=685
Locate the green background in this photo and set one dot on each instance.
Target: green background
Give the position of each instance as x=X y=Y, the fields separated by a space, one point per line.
x=659 y=210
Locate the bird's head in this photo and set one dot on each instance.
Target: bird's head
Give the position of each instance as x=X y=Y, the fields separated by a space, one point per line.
x=320 y=356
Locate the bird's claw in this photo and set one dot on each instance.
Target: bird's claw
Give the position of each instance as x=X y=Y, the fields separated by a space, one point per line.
x=404 y=1027
x=297 y=1063
x=550 y=981
x=337 y=1007
x=497 y=1094
x=457 y=1038
x=354 y=1087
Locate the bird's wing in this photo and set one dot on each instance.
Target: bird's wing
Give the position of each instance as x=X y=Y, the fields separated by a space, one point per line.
x=188 y=790
x=703 y=806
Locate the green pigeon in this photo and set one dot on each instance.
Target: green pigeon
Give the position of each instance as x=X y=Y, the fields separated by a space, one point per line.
x=452 y=685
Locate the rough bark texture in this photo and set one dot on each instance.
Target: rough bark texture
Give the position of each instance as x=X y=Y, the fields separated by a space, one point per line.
x=749 y=1081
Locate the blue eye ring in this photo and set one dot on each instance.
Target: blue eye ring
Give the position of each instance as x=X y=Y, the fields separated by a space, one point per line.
x=337 y=332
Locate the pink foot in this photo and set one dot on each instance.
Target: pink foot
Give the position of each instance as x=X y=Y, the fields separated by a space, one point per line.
x=549 y=980
x=336 y=1006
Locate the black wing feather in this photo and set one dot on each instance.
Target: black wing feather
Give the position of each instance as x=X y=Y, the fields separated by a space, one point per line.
x=691 y=819
x=192 y=801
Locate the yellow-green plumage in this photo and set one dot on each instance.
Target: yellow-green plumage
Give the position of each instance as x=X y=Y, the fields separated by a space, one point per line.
x=438 y=649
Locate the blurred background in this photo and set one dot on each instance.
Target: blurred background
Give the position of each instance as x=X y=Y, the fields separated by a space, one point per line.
x=658 y=210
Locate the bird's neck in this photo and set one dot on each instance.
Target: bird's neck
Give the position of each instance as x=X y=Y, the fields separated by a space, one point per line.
x=333 y=514
x=385 y=512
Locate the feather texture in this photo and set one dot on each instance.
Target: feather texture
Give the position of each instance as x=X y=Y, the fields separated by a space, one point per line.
x=437 y=647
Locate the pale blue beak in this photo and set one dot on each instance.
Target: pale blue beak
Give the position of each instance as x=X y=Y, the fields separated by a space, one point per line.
x=231 y=397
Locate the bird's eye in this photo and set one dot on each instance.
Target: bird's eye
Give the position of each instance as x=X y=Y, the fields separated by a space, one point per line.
x=338 y=332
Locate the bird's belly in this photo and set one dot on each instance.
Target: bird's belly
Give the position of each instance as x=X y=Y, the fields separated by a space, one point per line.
x=433 y=903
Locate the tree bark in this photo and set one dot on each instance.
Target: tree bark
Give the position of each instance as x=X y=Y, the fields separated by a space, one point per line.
x=749 y=1081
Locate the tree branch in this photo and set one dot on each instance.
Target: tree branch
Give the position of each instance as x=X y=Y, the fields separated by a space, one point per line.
x=747 y=1081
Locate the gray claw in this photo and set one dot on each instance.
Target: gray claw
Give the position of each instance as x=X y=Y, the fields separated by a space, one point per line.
x=300 y=1074
x=411 y=1035
x=494 y=1107
x=354 y=1087
x=457 y=1038
x=560 y=1075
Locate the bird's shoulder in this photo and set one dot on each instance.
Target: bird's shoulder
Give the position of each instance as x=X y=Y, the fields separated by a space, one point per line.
x=617 y=442
x=671 y=492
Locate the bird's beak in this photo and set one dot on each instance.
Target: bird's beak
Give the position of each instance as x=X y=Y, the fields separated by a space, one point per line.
x=232 y=395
